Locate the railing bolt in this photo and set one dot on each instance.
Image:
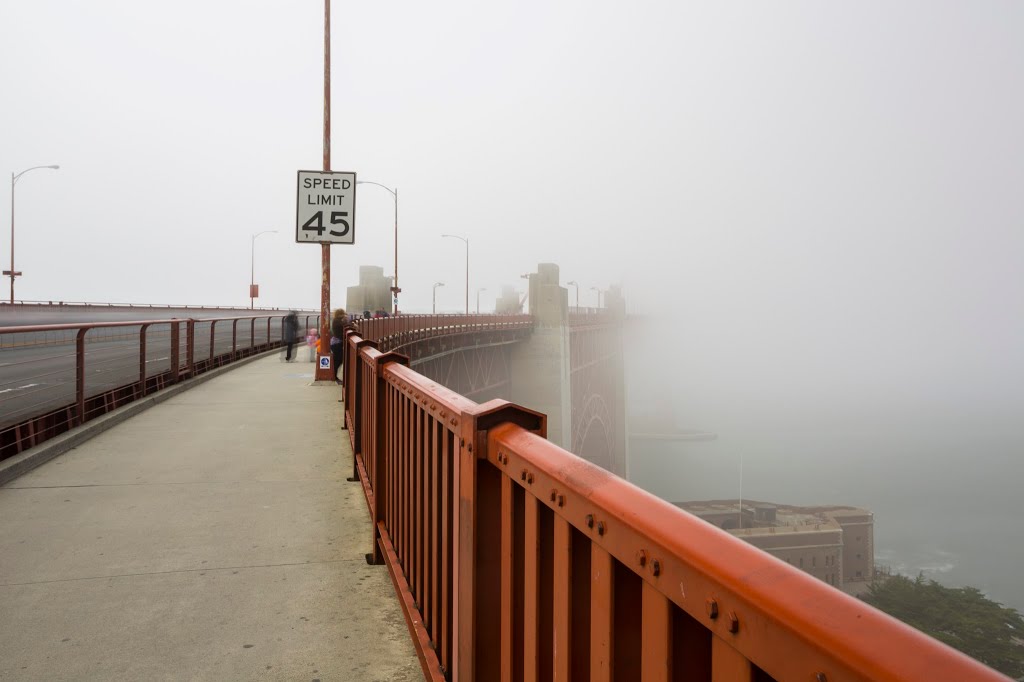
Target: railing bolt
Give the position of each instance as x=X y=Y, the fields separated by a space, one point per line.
x=522 y=476
x=734 y=622
x=641 y=557
x=600 y=527
x=656 y=567
x=820 y=677
x=529 y=478
x=554 y=494
x=561 y=500
x=712 y=607
x=590 y=520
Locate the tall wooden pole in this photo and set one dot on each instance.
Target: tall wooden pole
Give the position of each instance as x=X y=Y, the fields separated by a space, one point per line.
x=325 y=249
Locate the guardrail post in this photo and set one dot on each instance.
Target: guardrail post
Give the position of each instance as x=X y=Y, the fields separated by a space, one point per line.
x=356 y=394
x=213 y=326
x=234 y=340
x=476 y=575
x=175 y=340
x=142 y=359
x=268 y=333
x=252 y=335
x=190 y=346
x=80 y=376
x=380 y=475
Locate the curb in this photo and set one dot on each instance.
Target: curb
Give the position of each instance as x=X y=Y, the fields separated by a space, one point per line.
x=13 y=467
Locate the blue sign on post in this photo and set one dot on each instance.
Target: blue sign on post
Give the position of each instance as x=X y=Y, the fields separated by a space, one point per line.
x=325 y=362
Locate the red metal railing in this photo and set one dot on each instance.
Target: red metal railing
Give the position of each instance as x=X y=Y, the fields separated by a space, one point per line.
x=515 y=560
x=55 y=377
x=390 y=333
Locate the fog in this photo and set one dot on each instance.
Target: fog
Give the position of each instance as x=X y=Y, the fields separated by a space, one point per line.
x=822 y=206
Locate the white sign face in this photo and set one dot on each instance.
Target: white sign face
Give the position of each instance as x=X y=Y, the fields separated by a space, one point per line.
x=325 y=362
x=326 y=207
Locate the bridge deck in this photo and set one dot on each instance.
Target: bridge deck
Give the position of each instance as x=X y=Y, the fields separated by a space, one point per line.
x=211 y=537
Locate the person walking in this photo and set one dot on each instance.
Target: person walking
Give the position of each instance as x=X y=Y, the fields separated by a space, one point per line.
x=290 y=331
x=339 y=324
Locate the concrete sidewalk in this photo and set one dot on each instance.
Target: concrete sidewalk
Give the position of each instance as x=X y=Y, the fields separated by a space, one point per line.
x=212 y=537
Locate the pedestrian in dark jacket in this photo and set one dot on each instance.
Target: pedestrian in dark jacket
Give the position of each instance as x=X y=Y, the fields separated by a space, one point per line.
x=339 y=324
x=290 y=332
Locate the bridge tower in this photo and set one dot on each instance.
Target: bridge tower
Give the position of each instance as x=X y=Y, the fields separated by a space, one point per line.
x=572 y=369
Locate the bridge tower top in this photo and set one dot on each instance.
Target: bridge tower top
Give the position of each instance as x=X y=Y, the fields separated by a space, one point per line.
x=549 y=301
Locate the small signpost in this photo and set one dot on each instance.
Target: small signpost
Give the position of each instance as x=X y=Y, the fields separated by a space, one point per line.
x=326 y=207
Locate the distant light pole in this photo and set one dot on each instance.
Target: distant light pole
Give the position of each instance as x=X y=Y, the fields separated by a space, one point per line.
x=478 y=299
x=575 y=284
x=466 y=240
x=599 y=292
x=14 y=180
x=395 y=289
x=252 y=267
x=436 y=285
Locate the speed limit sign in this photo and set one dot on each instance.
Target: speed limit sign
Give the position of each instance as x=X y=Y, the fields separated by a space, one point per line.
x=326 y=207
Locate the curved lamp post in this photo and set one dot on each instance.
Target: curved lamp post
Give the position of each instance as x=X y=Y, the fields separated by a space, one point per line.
x=576 y=284
x=14 y=180
x=599 y=292
x=252 y=267
x=395 y=289
x=466 y=240
x=436 y=285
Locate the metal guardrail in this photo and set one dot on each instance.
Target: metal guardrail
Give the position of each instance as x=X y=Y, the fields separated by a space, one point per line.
x=513 y=559
x=397 y=331
x=56 y=377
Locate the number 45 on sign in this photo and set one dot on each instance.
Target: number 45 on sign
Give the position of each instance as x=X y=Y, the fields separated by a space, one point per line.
x=325 y=207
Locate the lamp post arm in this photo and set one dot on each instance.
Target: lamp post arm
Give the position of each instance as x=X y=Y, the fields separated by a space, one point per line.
x=14 y=178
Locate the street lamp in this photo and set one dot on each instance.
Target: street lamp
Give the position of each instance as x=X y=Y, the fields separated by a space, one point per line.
x=436 y=285
x=466 y=240
x=599 y=292
x=395 y=289
x=14 y=180
x=575 y=284
x=252 y=267
x=478 y=299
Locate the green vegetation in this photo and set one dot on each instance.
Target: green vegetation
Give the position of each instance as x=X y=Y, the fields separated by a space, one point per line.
x=961 y=617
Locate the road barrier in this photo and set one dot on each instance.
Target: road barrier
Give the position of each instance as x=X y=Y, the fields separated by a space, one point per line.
x=59 y=376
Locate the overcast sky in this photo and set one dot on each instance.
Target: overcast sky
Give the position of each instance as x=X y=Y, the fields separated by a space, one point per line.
x=790 y=158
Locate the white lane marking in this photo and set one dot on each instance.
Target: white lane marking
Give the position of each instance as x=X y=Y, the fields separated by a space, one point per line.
x=19 y=388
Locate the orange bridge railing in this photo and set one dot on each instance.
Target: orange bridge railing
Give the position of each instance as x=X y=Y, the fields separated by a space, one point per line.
x=513 y=559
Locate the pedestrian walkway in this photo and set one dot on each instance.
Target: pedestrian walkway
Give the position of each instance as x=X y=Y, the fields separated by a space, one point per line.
x=212 y=537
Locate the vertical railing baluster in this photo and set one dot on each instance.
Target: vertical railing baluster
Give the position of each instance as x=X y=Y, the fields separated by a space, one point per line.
x=728 y=664
x=447 y=455
x=562 y=607
x=507 y=615
x=656 y=651
x=531 y=590
x=601 y=605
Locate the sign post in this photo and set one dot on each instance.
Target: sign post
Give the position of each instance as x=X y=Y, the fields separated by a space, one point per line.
x=325 y=214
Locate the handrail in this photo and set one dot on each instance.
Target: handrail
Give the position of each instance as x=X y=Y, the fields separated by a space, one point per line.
x=515 y=559
x=43 y=411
